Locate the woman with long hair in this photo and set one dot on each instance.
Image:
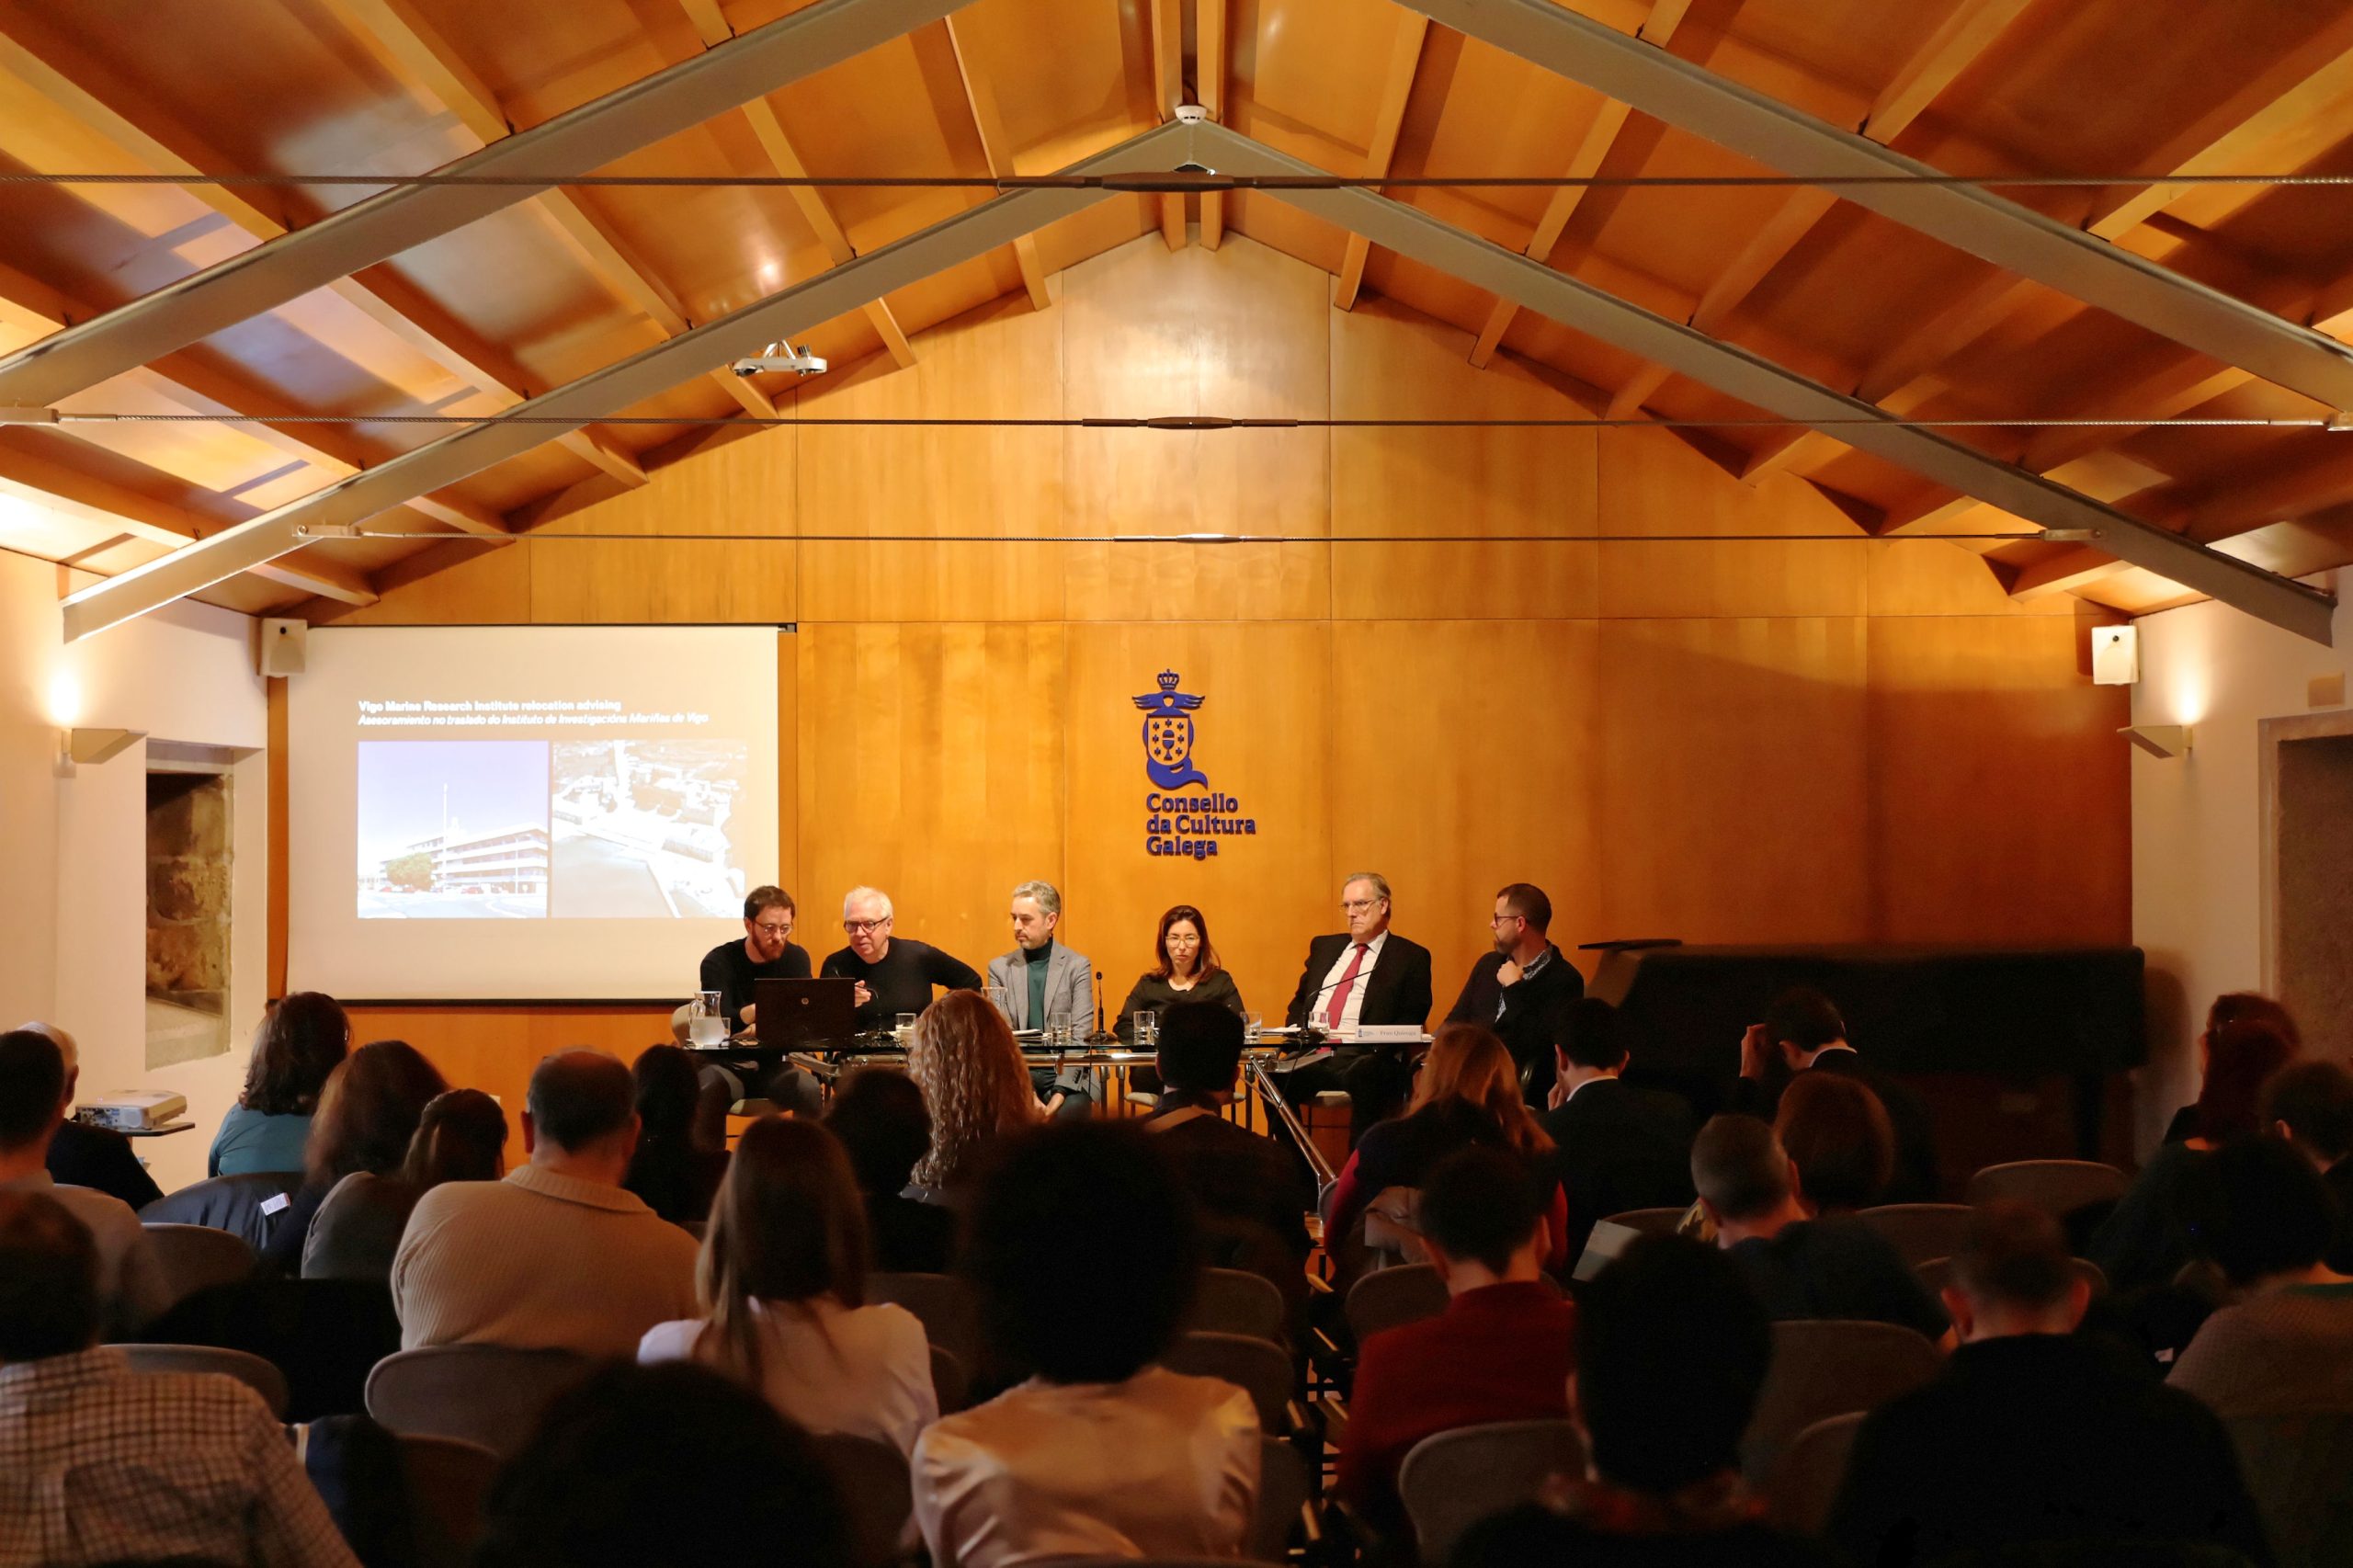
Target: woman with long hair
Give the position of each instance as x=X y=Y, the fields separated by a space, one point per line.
x=680 y=1156
x=461 y=1135
x=1185 y=969
x=300 y=1040
x=367 y=1114
x=782 y=1286
x=964 y=1060
x=1467 y=1092
x=1838 y=1135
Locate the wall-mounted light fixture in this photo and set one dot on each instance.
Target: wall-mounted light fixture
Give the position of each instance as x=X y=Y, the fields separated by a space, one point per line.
x=2158 y=739
x=77 y=746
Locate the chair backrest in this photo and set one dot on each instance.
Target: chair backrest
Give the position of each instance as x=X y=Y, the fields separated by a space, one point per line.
x=1388 y=1297
x=1937 y=1273
x=478 y=1393
x=952 y=1380
x=1452 y=1480
x=2296 y=1463
x=448 y=1483
x=2058 y=1188
x=950 y=1317
x=1650 y=1222
x=1233 y=1300
x=1259 y=1369
x=229 y=1203
x=872 y=1477
x=1825 y=1368
x=251 y=1370
x=1919 y=1232
x=195 y=1257
x=1807 y=1477
x=1282 y=1494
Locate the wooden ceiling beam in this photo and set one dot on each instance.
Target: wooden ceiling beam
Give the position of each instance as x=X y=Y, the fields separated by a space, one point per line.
x=1209 y=72
x=988 y=121
x=1164 y=34
x=1388 y=119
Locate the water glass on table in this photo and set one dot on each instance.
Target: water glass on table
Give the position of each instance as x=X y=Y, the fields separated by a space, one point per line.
x=1147 y=1030
x=905 y=1026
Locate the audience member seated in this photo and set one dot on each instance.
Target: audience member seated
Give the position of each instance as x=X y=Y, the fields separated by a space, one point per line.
x=1245 y=1185
x=2034 y=1435
x=98 y=1157
x=1803 y=1032
x=1838 y=1135
x=1082 y=1251
x=461 y=1136
x=879 y=1117
x=1800 y=1267
x=664 y=1467
x=964 y=1060
x=1671 y=1354
x=682 y=1138
x=1499 y=1352
x=300 y=1040
x=368 y=1115
x=2311 y=1105
x=556 y=1257
x=1618 y=1147
x=104 y=1464
x=2140 y=1243
x=2258 y=1212
x=1468 y=1092
x=2268 y=1018
x=782 y=1288
x=34 y=1093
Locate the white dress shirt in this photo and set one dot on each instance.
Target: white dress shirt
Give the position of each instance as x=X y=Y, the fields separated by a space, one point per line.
x=1162 y=1465
x=1354 y=1006
x=864 y=1370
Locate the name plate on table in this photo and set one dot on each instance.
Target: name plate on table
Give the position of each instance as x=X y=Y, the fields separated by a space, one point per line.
x=1388 y=1034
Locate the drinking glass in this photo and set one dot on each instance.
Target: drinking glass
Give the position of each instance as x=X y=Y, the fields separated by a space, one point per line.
x=907 y=1024
x=1001 y=1002
x=1250 y=1022
x=1147 y=1029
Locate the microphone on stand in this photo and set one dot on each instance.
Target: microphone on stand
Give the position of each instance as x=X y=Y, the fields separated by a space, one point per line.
x=1099 y=1036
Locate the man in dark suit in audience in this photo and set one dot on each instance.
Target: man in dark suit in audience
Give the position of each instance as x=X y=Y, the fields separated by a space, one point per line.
x=1517 y=989
x=96 y=1157
x=1615 y=1146
x=1803 y=1032
x=1367 y=975
x=2035 y=1435
x=2311 y=1105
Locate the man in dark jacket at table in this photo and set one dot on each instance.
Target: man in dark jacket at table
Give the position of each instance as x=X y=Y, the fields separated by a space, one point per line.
x=1517 y=989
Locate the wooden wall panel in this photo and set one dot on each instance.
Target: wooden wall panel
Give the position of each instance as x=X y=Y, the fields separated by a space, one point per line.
x=1652 y=484
x=930 y=766
x=1466 y=754
x=495 y=1049
x=1264 y=736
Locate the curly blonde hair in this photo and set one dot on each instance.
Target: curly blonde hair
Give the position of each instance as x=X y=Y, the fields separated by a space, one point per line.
x=972 y=1077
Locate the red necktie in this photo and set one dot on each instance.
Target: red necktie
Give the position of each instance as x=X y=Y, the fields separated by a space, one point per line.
x=1339 y=1007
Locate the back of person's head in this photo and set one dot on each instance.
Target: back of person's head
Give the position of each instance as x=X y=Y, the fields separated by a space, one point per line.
x=32 y=1087
x=578 y=1097
x=1200 y=1046
x=301 y=1038
x=64 y=1039
x=1586 y=1033
x=668 y=1466
x=2252 y=1007
x=2241 y=1056
x=461 y=1136
x=1528 y=901
x=1083 y=1249
x=2310 y=1103
x=1838 y=1133
x=1480 y=1206
x=1804 y=1018
x=964 y=1059
x=48 y=1279
x=667 y=1084
x=369 y=1111
x=788 y=1226
x=2257 y=1208
x=1672 y=1347
x=2013 y=1259
x=881 y=1120
x=1739 y=1168
x=1468 y=1067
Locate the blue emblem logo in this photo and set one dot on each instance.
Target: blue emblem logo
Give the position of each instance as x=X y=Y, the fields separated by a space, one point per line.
x=1168 y=735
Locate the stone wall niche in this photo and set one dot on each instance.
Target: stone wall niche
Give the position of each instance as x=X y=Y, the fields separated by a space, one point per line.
x=188 y=860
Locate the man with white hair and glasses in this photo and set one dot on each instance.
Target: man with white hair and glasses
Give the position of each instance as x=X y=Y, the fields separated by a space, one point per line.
x=894 y=975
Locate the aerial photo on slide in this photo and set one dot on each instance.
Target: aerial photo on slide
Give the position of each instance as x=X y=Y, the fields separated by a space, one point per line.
x=453 y=830
x=642 y=828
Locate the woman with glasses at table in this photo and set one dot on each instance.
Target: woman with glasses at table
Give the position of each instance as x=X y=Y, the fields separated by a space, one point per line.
x=1187 y=972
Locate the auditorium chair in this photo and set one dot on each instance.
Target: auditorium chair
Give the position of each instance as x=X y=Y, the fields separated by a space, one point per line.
x=1937 y=1273
x=952 y=1380
x=2079 y=1194
x=944 y=1304
x=325 y=1336
x=1392 y=1296
x=2297 y=1464
x=448 y=1483
x=246 y=1204
x=487 y=1394
x=1824 y=1368
x=872 y=1479
x=251 y=1370
x=1283 y=1503
x=1450 y=1480
x=1811 y=1470
x=1919 y=1232
x=1258 y=1368
x=195 y=1257
x=1650 y=1222
x=1233 y=1300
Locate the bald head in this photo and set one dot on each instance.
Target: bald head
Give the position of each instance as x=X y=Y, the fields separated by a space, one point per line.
x=579 y=1101
x=65 y=1046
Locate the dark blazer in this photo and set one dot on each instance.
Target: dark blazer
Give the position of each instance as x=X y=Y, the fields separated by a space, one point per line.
x=1915 y=1180
x=1617 y=1147
x=1397 y=991
x=1529 y=1008
x=81 y=1155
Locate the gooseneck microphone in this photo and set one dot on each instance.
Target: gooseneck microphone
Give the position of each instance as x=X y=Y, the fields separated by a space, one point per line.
x=1099 y=1036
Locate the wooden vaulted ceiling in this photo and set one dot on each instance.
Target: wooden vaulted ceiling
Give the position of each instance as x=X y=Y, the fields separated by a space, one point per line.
x=551 y=288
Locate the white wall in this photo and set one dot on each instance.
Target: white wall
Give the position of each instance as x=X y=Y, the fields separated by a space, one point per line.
x=73 y=851
x=2197 y=839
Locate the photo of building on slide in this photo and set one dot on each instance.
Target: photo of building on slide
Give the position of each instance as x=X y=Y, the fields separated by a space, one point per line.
x=453 y=830
x=642 y=828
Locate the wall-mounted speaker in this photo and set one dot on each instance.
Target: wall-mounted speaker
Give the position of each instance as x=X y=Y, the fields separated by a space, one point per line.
x=2116 y=655
x=283 y=647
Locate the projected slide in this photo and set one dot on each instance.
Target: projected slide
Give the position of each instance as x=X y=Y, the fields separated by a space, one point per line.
x=641 y=828
x=453 y=830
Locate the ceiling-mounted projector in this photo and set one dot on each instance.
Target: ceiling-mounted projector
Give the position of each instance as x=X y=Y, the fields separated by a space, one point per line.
x=782 y=356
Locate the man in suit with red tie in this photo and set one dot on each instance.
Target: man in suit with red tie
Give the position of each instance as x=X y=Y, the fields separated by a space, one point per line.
x=1367 y=975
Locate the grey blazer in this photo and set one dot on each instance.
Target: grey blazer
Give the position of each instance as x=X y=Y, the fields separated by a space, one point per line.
x=1069 y=987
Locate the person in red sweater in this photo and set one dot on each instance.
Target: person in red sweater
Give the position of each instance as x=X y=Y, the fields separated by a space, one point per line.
x=1499 y=1352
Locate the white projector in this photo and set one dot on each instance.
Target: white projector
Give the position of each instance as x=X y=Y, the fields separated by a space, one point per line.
x=136 y=1110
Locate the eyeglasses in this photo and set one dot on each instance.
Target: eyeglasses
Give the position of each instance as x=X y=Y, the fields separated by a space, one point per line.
x=1356 y=905
x=768 y=929
x=860 y=927
x=1499 y=919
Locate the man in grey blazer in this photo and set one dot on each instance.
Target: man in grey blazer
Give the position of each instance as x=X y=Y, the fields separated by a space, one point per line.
x=1044 y=983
